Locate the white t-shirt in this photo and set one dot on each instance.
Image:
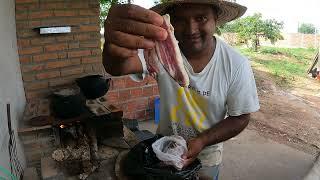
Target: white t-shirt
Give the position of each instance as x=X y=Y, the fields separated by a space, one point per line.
x=225 y=87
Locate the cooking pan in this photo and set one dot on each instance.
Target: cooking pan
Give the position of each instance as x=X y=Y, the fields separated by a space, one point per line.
x=93 y=86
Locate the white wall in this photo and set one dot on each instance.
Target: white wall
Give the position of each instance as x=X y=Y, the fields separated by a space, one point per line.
x=11 y=86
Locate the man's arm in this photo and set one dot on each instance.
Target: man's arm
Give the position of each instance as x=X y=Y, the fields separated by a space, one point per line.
x=224 y=130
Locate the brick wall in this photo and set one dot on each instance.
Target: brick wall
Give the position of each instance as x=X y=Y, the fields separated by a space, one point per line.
x=52 y=61
x=136 y=99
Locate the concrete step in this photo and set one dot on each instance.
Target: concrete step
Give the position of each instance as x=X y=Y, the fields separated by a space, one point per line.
x=31 y=174
x=50 y=169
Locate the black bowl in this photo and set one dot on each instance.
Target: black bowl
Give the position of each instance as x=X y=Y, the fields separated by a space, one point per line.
x=67 y=106
x=93 y=86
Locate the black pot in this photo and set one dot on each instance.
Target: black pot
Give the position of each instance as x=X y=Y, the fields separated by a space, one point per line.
x=68 y=105
x=93 y=86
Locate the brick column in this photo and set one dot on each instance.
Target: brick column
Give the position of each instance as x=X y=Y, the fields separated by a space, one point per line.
x=50 y=61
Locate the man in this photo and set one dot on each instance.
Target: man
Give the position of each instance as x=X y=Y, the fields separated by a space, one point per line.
x=222 y=92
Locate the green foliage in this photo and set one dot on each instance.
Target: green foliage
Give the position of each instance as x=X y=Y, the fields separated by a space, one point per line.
x=285 y=64
x=306 y=28
x=160 y=1
x=104 y=8
x=251 y=28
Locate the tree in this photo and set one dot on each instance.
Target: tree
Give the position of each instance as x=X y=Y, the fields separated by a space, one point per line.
x=306 y=28
x=253 y=28
x=160 y=1
x=105 y=6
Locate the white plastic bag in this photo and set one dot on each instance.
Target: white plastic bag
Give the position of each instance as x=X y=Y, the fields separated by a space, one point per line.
x=169 y=149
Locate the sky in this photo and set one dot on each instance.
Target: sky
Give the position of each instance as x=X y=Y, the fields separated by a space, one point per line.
x=291 y=12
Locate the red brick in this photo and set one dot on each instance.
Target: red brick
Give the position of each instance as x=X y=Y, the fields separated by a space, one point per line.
x=90 y=44
x=124 y=95
x=140 y=115
x=22 y=15
x=89 y=12
x=44 y=57
x=56 y=47
x=94 y=4
x=74 y=45
x=62 y=55
x=94 y=20
x=25 y=59
x=129 y=115
x=23 y=43
x=64 y=38
x=53 y=5
x=26 y=34
x=79 y=53
x=137 y=104
x=148 y=91
x=61 y=82
x=53 y=22
x=96 y=52
x=112 y=96
x=151 y=100
x=48 y=75
x=28 y=77
x=122 y=106
x=131 y=83
x=77 y=21
x=150 y=80
x=155 y=90
x=31 y=68
x=33 y=50
x=88 y=28
x=42 y=40
x=118 y=83
x=58 y=64
x=21 y=7
x=36 y=94
x=98 y=68
x=136 y=93
x=88 y=68
x=22 y=25
x=71 y=4
x=90 y=60
x=34 y=24
x=71 y=71
x=26 y=1
x=36 y=85
x=81 y=37
x=40 y=14
x=75 y=61
x=65 y=13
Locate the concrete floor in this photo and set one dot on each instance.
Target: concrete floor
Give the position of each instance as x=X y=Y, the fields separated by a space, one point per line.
x=250 y=156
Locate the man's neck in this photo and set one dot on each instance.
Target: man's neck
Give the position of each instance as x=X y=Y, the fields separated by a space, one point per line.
x=199 y=60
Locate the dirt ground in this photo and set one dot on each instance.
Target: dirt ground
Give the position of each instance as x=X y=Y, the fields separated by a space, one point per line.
x=290 y=116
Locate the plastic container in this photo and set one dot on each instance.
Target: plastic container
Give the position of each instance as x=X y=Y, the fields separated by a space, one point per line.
x=157 y=110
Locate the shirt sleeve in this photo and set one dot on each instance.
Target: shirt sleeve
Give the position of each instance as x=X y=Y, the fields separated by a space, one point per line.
x=242 y=95
x=140 y=77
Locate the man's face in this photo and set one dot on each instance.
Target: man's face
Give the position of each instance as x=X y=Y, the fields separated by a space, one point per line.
x=194 y=26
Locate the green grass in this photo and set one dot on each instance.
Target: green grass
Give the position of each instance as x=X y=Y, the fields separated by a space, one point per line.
x=285 y=64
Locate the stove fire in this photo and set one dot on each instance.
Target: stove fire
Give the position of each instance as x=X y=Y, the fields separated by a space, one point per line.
x=79 y=138
x=62 y=126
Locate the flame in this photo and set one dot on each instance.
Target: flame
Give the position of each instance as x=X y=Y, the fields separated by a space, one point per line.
x=62 y=126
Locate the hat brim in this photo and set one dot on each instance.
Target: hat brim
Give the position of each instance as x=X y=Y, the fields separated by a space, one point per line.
x=228 y=10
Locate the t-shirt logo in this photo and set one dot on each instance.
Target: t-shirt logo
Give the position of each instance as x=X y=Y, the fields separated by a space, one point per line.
x=189 y=110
